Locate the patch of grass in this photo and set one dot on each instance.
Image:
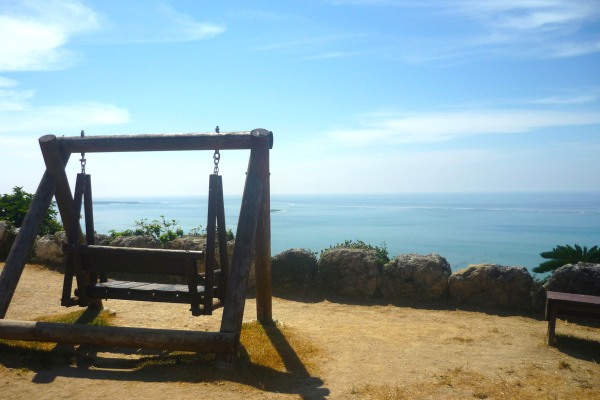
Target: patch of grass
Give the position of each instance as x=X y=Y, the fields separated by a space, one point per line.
x=465 y=340
x=44 y=355
x=277 y=347
x=564 y=365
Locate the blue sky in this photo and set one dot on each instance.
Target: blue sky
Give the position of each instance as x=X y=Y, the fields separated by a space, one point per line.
x=363 y=96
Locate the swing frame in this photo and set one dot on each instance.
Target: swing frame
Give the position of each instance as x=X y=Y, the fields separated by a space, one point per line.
x=253 y=240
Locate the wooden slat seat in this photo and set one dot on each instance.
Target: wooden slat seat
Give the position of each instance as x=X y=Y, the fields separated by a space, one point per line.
x=141 y=291
x=94 y=260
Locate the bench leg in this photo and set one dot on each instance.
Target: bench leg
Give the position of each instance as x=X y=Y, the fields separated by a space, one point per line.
x=551 y=325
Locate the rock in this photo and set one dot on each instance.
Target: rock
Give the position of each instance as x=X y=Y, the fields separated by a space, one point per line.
x=7 y=237
x=414 y=276
x=294 y=269
x=187 y=243
x=142 y=241
x=48 y=249
x=198 y=243
x=580 y=278
x=492 y=285
x=3 y=231
x=352 y=272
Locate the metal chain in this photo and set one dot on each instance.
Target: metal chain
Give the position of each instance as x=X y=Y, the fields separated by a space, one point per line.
x=82 y=159
x=216 y=158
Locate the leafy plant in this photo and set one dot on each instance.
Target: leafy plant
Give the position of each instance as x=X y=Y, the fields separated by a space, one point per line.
x=381 y=251
x=164 y=230
x=562 y=255
x=13 y=208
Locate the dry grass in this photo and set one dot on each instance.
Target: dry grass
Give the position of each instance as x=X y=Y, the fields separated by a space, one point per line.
x=278 y=347
x=530 y=382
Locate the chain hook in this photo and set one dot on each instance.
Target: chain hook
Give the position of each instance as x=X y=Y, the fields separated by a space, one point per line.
x=216 y=159
x=82 y=159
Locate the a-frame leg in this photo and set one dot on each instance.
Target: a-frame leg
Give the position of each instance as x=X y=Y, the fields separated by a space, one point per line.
x=13 y=268
x=65 y=202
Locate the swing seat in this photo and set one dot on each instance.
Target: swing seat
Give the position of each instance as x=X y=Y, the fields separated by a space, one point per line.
x=202 y=291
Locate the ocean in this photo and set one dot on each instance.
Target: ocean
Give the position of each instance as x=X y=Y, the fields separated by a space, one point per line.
x=500 y=228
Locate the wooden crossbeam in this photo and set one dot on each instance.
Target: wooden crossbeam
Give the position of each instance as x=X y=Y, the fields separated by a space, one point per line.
x=164 y=339
x=170 y=142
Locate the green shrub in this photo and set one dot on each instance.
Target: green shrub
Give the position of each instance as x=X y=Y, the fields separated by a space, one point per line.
x=381 y=251
x=562 y=255
x=164 y=230
x=13 y=208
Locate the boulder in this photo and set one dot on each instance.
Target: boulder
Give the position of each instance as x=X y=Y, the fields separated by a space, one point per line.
x=580 y=278
x=414 y=276
x=7 y=237
x=198 y=243
x=3 y=230
x=294 y=269
x=187 y=243
x=142 y=241
x=48 y=249
x=352 y=272
x=492 y=285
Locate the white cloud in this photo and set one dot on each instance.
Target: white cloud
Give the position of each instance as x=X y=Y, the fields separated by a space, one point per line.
x=53 y=119
x=34 y=33
x=437 y=127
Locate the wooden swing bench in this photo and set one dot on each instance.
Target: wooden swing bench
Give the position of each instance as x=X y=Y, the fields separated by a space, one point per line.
x=90 y=264
x=200 y=292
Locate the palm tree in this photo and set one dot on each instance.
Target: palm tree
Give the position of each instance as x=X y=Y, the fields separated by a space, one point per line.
x=562 y=255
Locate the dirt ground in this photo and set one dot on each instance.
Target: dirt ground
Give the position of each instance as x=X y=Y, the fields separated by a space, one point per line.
x=363 y=350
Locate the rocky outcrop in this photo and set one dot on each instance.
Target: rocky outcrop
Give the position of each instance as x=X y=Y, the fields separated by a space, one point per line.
x=414 y=276
x=196 y=243
x=580 y=278
x=48 y=249
x=143 y=241
x=492 y=285
x=352 y=272
x=294 y=269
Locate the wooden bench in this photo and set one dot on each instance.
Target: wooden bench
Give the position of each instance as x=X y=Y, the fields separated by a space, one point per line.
x=558 y=303
x=202 y=290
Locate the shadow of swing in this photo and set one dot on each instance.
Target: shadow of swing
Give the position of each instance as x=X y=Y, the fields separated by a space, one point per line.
x=93 y=362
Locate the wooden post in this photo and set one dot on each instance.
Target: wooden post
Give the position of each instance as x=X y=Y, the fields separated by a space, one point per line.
x=13 y=268
x=260 y=157
x=222 y=237
x=211 y=232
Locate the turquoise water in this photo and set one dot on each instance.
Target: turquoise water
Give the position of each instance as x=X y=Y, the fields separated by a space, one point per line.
x=507 y=228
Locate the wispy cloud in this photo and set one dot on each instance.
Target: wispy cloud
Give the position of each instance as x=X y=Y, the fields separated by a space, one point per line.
x=386 y=128
x=521 y=28
x=566 y=99
x=152 y=22
x=34 y=33
x=57 y=118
